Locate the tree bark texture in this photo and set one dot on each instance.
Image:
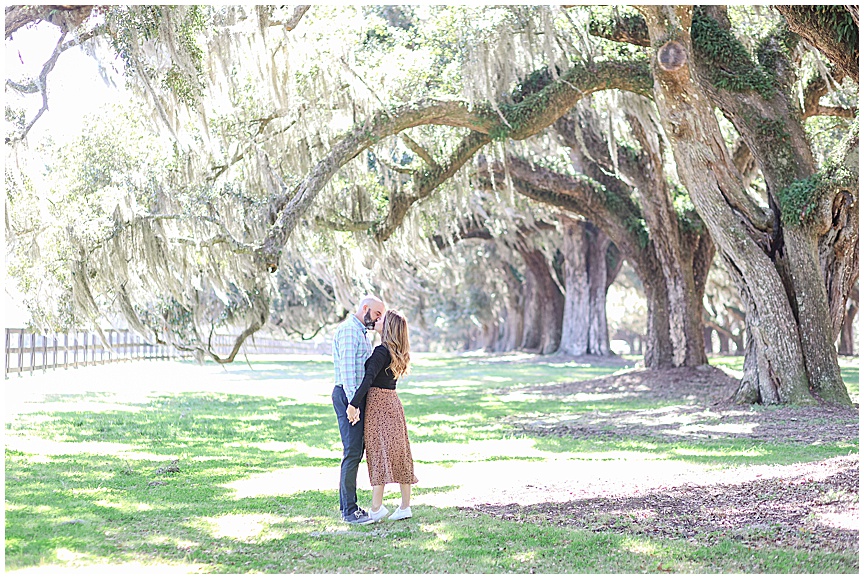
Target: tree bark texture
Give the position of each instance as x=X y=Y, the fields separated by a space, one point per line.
x=778 y=372
x=585 y=329
x=544 y=304
x=841 y=49
x=511 y=319
x=847 y=333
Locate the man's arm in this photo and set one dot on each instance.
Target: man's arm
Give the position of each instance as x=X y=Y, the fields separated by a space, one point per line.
x=343 y=356
x=353 y=352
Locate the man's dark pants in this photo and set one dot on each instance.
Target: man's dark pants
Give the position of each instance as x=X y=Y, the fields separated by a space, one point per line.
x=352 y=452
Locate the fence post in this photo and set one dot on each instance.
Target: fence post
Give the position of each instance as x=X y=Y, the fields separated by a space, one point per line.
x=75 y=351
x=8 y=340
x=20 y=351
x=32 y=352
x=66 y=351
x=54 y=365
x=44 y=353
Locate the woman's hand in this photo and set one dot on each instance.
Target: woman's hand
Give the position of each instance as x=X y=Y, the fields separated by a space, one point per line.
x=353 y=415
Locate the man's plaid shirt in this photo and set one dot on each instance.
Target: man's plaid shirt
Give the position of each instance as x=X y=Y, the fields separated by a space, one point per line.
x=350 y=350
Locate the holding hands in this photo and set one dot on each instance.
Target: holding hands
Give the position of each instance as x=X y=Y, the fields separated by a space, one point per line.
x=353 y=415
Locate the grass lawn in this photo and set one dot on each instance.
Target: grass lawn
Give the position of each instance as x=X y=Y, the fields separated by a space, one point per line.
x=90 y=479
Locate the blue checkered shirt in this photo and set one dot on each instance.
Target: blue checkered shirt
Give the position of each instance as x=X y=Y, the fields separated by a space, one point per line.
x=350 y=350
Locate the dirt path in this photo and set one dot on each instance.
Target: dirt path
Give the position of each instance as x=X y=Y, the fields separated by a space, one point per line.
x=806 y=505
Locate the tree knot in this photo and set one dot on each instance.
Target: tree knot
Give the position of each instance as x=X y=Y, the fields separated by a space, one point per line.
x=671 y=56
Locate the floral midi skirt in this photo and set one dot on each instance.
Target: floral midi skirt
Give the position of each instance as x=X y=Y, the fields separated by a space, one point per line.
x=388 y=453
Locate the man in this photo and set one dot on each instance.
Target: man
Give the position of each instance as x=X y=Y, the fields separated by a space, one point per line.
x=351 y=347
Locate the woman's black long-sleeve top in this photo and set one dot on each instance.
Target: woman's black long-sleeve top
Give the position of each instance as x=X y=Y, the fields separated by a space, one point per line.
x=378 y=374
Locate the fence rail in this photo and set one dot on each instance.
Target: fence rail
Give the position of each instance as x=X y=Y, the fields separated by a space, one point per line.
x=28 y=351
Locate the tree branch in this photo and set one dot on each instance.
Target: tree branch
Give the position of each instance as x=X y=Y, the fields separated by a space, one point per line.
x=418 y=150
x=616 y=216
x=67 y=17
x=815 y=90
x=630 y=28
x=42 y=84
x=526 y=118
x=825 y=30
x=345 y=225
x=225 y=236
x=251 y=329
x=292 y=22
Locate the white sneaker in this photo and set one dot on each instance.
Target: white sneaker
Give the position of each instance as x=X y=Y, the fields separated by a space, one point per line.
x=400 y=514
x=379 y=514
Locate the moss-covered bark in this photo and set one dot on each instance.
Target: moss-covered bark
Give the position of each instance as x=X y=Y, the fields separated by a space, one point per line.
x=789 y=351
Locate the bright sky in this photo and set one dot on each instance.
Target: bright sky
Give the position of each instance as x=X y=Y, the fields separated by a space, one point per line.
x=75 y=90
x=75 y=87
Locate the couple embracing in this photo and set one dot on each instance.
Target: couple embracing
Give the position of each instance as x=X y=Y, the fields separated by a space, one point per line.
x=369 y=412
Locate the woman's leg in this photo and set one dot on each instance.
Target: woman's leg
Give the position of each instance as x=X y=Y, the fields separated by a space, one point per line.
x=406 y=495
x=377 y=496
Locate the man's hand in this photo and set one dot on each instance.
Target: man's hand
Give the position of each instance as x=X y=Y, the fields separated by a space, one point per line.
x=353 y=415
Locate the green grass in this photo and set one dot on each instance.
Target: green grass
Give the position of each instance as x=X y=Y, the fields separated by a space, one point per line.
x=82 y=485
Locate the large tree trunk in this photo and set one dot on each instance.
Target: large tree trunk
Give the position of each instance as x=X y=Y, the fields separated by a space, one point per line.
x=777 y=369
x=658 y=347
x=544 y=305
x=671 y=263
x=574 y=333
x=512 y=328
x=586 y=281
x=674 y=250
x=598 y=330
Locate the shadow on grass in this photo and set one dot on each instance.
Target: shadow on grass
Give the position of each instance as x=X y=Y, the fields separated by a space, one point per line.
x=813 y=509
x=120 y=519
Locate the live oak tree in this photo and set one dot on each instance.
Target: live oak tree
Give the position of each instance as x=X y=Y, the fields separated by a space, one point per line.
x=795 y=257
x=797 y=260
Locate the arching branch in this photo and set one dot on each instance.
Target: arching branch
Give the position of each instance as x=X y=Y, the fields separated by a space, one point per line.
x=67 y=17
x=833 y=30
x=523 y=119
x=629 y=28
x=617 y=216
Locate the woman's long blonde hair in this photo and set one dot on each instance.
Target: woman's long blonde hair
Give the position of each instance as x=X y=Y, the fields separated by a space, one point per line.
x=394 y=335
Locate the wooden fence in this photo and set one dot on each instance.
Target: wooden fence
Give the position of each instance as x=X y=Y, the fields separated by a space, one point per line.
x=28 y=351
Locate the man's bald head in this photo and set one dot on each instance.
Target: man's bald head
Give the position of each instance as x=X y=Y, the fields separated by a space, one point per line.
x=369 y=310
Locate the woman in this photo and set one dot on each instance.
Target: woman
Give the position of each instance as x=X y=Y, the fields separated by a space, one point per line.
x=388 y=453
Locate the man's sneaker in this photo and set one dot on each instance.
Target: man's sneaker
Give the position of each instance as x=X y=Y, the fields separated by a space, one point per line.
x=358 y=517
x=379 y=514
x=401 y=513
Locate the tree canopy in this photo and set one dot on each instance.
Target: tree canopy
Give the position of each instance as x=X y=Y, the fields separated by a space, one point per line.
x=277 y=162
